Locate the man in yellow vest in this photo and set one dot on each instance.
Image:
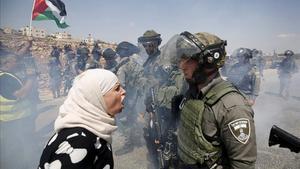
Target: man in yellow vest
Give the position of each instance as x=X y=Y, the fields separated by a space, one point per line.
x=16 y=116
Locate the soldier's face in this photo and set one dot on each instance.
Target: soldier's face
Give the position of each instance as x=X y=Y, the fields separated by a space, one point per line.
x=102 y=62
x=188 y=67
x=150 y=47
x=114 y=99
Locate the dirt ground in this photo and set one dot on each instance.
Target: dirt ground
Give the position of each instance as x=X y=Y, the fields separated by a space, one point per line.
x=269 y=109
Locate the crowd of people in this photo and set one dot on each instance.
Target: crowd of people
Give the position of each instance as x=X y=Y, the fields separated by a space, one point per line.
x=197 y=110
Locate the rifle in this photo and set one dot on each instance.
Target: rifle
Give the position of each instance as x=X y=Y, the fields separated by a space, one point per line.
x=157 y=127
x=167 y=147
x=284 y=139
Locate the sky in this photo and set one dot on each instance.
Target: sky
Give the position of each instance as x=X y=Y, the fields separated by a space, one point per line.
x=262 y=24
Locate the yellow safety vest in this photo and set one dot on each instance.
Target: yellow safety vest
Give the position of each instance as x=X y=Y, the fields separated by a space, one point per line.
x=13 y=109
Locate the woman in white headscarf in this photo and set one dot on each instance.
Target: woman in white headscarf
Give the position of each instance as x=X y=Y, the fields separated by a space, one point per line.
x=85 y=123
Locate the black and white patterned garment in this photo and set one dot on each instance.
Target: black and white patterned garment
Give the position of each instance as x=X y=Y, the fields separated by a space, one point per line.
x=76 y=148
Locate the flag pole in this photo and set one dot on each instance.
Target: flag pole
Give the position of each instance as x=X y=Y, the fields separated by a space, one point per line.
x=30 y=23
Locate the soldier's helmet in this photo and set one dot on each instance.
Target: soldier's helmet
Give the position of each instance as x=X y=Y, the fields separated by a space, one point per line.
x=92 y=65
x=109 y=54
x=207 y=48
x=97 y=43
x=244 y=53
x=82 y=44
x=67 y=47
x=288 y=53
x=255 y=52
x=126 y=49
x=150 y=36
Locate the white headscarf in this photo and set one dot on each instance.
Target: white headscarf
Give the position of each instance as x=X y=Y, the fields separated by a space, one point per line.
x=85 y=106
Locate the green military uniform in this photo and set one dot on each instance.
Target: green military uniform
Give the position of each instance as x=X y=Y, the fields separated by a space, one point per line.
x=224 y=132
x=82 y=57
x=150 y=41
x=170 y=82
x=130 y=75
x=287 y=68
x=244 y=75
x=216 y=126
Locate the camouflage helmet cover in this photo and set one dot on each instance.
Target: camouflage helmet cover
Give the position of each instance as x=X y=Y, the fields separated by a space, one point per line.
x=126 y=49
x=109 y=54
x=204 y=47
x=149 y=36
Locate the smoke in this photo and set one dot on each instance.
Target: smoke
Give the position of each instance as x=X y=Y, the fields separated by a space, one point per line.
x=271 y=109
x=21 y=146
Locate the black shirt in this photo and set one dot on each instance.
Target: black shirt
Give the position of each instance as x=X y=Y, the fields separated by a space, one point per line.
x=77 y=148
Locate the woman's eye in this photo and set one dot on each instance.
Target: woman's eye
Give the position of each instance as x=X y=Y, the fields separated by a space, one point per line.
x=118 y=88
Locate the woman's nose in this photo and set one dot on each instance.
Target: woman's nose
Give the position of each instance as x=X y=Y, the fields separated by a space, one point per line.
x=123 y=91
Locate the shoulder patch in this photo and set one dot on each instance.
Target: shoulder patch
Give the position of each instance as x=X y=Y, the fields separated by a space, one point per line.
x=240 y=129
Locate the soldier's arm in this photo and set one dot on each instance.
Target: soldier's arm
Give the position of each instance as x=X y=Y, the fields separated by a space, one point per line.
x=238 y=132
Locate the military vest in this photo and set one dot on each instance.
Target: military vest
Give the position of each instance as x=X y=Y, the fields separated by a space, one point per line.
x=13 y=109
x=193 y=148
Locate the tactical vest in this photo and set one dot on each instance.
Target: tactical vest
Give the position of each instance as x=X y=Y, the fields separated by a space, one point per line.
x=13 y=109
x=193 y=148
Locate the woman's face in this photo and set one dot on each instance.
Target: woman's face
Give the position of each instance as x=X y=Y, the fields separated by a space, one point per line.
x=114 y=99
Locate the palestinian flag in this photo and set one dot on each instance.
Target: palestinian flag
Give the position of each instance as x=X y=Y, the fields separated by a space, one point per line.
x=50 y=10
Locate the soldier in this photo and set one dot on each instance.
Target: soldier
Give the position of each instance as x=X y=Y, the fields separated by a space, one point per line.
x=161 y=125
x=286 y=69
x=259 y=61
x=150 y=41
x=55 y=71
x=244 y=75
x=96 y=52
x=55 y=76
x=102 y=63
x=69 y=71
x=216 y=126
x=171 y=83
x=82 y=57
x=56 y=53
x=110 y=57
x=130 y=74
x=69 y=53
